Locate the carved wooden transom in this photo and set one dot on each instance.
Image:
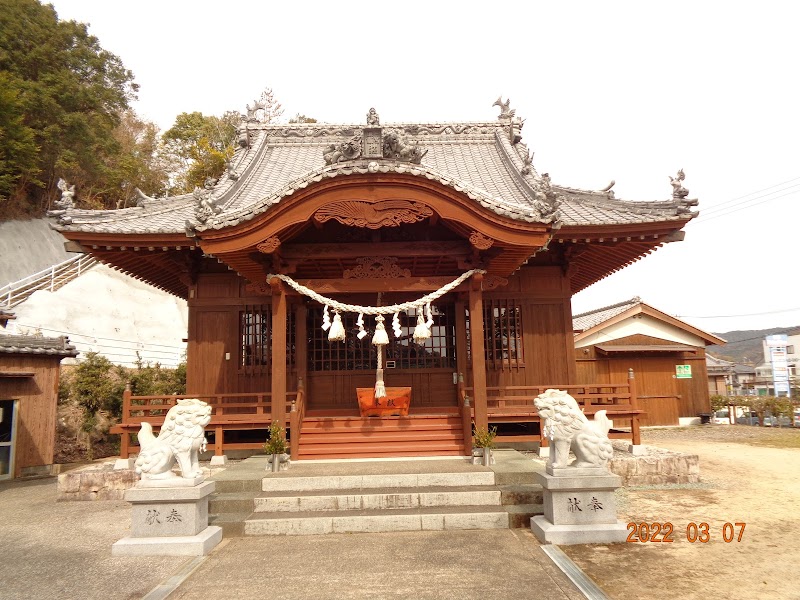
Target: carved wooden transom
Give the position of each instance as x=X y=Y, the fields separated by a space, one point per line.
x=389 y=213
x=377 y=268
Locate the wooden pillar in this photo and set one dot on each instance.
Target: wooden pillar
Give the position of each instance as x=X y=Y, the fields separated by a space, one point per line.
x=477 y=351
x=125 y=438
x=278 y=351
x=635 y=435
x=301 y=340
x=461 y=337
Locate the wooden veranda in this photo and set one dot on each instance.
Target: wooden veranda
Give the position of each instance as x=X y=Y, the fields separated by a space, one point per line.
x=504 y=405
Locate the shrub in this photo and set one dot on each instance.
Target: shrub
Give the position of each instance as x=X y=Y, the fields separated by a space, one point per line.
x=276 y=441
x=484 y=438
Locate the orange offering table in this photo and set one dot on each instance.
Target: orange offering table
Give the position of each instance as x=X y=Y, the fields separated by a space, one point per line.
x=395 y=404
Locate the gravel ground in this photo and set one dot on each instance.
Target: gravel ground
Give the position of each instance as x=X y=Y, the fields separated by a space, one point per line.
x=750 y=479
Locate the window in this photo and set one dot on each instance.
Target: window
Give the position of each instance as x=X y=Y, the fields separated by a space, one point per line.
x=789 y=349
x=255 y=333
x=502 y=334
x=439 y=351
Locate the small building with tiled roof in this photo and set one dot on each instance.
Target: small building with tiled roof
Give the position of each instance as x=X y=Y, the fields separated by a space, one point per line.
x=29 y=374
x=372 y=216
x=667 y=356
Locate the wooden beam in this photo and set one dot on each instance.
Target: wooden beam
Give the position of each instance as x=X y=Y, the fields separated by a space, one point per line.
x=477 y=351
x=410 y=284
x=279 y=309
x=361 y=250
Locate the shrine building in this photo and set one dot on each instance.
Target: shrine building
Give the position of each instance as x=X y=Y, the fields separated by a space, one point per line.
x=380 y=289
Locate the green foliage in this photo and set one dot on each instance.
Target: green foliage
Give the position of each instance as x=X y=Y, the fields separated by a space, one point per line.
x=484 y=438
x=201 y=147
x=95 y=385
x=63 y=97
x=298 y=118
x=276 y=440
x=719 y=402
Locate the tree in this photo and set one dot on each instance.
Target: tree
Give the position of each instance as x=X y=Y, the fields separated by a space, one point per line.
x=63 y=95
x=95 y=388
x=201 y=146
x=298 y=118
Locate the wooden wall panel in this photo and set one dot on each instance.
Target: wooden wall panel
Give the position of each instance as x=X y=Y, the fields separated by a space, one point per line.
x=217 y=285
x=37 y=406
x=213 y=333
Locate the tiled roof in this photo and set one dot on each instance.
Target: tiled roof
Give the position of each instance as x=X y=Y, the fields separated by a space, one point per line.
x=30 y=344
x=477 y=159
x=590 y=319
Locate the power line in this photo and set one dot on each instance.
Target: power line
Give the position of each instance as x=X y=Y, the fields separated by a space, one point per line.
x=771 y=312
x=723 y=205
x=703 y=219
x=95 y=337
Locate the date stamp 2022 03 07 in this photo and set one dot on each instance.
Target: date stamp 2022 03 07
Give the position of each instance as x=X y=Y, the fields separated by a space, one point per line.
x=695 y=532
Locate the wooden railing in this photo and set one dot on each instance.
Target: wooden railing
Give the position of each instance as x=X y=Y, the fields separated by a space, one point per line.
x=296 y=416
x=228 y=412
x=515 y=404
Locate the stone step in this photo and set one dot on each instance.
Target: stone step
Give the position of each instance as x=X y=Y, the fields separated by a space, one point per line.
x=373 y=521
x=521 y=494
x=232 y=523
x=397 y=480
x=380 y=499
x=237 y=502
x=519 y=515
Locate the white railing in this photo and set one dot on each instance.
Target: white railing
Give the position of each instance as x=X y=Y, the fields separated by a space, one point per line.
x=50 y=279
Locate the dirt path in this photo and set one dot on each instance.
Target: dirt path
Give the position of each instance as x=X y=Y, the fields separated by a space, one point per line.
x=750 y=475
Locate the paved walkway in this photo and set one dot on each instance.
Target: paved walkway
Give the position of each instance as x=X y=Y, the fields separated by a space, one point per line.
x=63 y=549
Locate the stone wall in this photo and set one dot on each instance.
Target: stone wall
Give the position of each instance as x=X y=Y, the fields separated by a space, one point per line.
x=95 y=483
x=654 y=467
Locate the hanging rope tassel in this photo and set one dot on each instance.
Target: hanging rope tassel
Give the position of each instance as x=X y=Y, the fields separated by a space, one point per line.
x=398 y=331
x=380 y=386
x=326 y=319
x=381 y=338
x=421 y=331
x=429 y=312
x=336 y=334
x=362 y=333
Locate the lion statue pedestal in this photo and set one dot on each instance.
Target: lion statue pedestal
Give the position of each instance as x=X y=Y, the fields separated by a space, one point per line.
x=579 y=504
x=170 y=511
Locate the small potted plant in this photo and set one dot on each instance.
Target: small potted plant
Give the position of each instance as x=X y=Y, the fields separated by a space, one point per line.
x=482 y=443
x=275 y=447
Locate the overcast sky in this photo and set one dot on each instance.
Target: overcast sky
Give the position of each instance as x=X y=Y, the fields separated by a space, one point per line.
x=629 y=91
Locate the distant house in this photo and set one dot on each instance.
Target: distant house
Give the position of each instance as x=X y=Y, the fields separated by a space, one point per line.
x=29 y=371
x=666 y=354
x=763 y=382
x=726 y=378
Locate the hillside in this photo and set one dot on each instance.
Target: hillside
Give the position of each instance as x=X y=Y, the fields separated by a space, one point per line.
x=744 y=346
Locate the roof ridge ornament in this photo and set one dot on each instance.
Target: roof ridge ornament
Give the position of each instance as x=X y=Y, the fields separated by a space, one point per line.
x=506 y=112
x=371 y=143
x=373 y=120
x=678 y=191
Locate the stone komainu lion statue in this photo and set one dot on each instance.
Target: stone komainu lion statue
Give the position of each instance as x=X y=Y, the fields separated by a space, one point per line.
x=567 y=427
x=180 y=439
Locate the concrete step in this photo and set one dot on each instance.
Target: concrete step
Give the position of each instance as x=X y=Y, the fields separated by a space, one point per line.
x=232 y=523
x=373 y=521
x=237 y=502
x=519 y=515
x=380 y=499
x=521 y=494
x=357 y=482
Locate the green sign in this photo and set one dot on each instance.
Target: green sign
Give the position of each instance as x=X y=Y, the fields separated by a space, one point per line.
x=683 y=371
